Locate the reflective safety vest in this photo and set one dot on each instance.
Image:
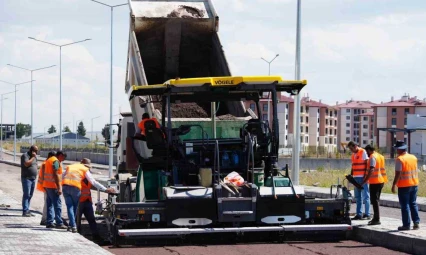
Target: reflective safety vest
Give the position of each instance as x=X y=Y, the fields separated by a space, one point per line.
x=376 y=177
x=409 y=174
x=358 y=164
x=74 y=175
x=141 y=124
x=382 y=167
x=40 y=179
x=86 y=194
x=49 y=172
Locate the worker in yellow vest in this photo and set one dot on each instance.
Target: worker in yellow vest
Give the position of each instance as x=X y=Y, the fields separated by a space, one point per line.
x=52 y=185
x=72 y=178
x=407 y=181
x=376 y=180
x=39 y=186
x=359 y=172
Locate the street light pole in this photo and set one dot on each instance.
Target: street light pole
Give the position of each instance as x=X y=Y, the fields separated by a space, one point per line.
x=14 y=135
x=1 y=120
x=32 y=104
x=296 y=122
x=111 y=151
x=269 y=73
x=60 y=80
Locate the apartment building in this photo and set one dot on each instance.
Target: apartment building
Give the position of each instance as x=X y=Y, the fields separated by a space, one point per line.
x=355 y=122
x=394 y=114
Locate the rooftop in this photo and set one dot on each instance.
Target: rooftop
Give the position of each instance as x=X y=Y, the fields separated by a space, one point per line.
x=356 y=104
x=312 y=103
x=404 y=101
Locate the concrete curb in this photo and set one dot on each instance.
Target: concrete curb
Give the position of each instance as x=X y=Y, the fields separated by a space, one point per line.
x=387 y=200
x=412 y=242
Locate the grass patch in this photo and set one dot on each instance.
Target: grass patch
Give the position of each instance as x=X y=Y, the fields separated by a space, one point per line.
x=329 y=177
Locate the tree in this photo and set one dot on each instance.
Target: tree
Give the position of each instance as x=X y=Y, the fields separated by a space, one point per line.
x=66 y=129
x=51 y=130
x=81 y=130
x=22 y=130
x=105 y=132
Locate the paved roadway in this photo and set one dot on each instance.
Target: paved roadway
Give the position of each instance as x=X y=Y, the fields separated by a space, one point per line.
x=10 y=183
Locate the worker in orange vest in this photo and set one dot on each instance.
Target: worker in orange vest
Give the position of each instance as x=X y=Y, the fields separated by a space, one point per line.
x=72 y=179
x=359 y=172
x=52 y=185
x=39 y=186
x=141 y=125
x=376 y=180
x=407 y=181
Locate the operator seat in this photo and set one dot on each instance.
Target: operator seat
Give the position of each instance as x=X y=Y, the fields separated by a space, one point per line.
x=155 y=138
x=259 y=129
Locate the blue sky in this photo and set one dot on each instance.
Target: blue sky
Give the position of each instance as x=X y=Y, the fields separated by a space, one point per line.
x=360 y=49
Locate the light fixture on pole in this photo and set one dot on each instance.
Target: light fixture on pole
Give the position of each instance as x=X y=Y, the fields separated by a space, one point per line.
x=1 y=120
x=32 y=104
x=91 y=134
x=296 y=122
x=269 y=73
x=111 y=151
x=60 y=80
x=14 y=135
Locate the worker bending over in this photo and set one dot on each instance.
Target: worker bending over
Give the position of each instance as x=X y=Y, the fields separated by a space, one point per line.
x=359 y=172
x=376 y=163
x=72 y=185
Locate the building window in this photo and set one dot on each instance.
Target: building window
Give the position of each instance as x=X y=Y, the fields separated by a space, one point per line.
x=356 y=118
x=393 y=111
x=286 y=106
x=348 y=110
x=286 y=116
x=326 y=140
x=286 y=137
x=365 y=134
x=317 y=139
x=365 y=126
x=348 y=125
x=335 y=132
x=252 y=106
x=407 y=111
x=335 y=113
x=405 y=121
x=348 y=117
x=301 y=119
x=371 y=127
x=307 y=119
x=307 y=139
x=301 y=108
x=326 y=121
x=301 y=129
x=335 y=140
x=307 y=108
x=286 y=127
x=372 y=119
x=364 y=142
x=318 y=130
x=326 y=111
x=265 y=116
x=265 y=107
x=348 y=132
x=393 y=121
x=365 y=118
x=326 y=131
x=348 y=139
x=363 y=111
x=301 y=139
x=335 y=123
x=306 y=129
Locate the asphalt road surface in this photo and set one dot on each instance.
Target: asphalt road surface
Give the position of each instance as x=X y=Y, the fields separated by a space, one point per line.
x=11 y=184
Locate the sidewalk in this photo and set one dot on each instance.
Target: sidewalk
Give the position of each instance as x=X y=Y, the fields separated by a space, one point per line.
x=20 y=235
x=386 y=235
x=388 y=200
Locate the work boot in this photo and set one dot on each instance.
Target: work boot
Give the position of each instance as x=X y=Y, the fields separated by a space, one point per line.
x=357 y=217
x=26 y=214
x=50 y=226
x=404 y=228
x=74 y=230
x=68 y=228
x=43 y=223
x=374 y=222
x=416 y=226
x=61 y=226
x=365 y=217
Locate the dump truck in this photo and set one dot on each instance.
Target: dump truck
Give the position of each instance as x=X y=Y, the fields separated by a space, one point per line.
x=179 y=178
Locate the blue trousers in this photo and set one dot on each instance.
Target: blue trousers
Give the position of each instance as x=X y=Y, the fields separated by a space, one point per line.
x=72 y=196
x=28 y=191
x=407 y=199
x=362 y=196
x=86 y=208
x=54 y=207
